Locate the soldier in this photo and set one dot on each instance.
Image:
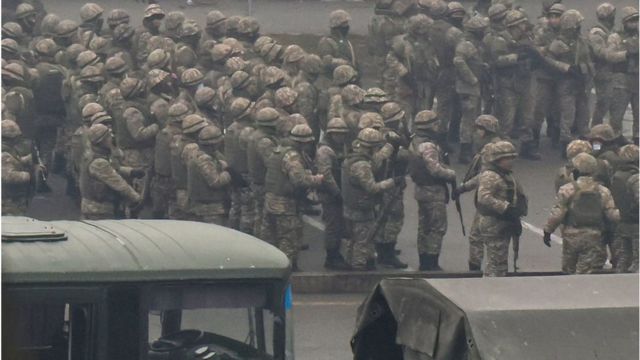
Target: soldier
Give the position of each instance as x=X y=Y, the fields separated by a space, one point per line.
x=241 y=215
x=623 y=54
x=207 y=101
x=101 y=185
x=16 y=171
x=285 y=101
x=261 y=145
x=605 y=149
x=248 y=33
x=389 y=21
x=625 y=242
x=186 y=51
x=500 y=205
x=598 y=35
x=359 y=193
x=352 y=99
x=151 y=22
x=331 y=152
x=308 y=92
x=287 y=180
x=471 y=73
x=122 y=45
x=18 y=97
x=163 y=192
x=336 y=49
x=13 y=30
x=92 y=21
x=116 y=70
x=26 y=17
x=183 y=147
x=569 y=54
x=633 y=187
x=117 y=17
x=565 y=174
x=172 y=23
x=431 y=177
x=208 y=180
x=330 y=100
x=190 y=80
x=292 y=57
x=216 y=25
x=584 y=208
x=80 y=143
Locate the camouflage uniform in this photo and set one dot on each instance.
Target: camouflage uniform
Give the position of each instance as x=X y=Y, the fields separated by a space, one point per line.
x=431 y=176
x=308 y=93
x=633 y=186
x=359 y=190
x=101 y=185
x=574 y=148
x=152 y=17
x=336 y=49
x=598 y=36
x=500 y=203
x=582 y=207
x=16 y=171
x=241 y=215
x=388 y=21
x=288 y=176
x=208 y=180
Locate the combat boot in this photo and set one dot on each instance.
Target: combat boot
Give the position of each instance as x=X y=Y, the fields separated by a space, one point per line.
x=371 y=265
x=434 y=264
x=529 y=151
x=388 y=259
x=335 y=261
x=465 y=154
x=425 y=262
x=474 y=267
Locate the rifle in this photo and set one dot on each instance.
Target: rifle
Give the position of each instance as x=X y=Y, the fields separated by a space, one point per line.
x=458 y=207
x=40 y=174
x=384 y=213
x=516 y=251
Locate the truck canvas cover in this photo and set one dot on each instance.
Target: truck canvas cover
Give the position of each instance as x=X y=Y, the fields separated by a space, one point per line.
x=553 y=317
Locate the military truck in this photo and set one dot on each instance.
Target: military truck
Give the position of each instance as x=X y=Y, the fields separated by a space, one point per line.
x=140 y=289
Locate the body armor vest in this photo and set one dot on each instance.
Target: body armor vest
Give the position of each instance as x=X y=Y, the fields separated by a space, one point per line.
x=178 y=167
x=353 y=195
x=123 y=137
x=236 y=156
x=418 y=169
x=257 y=168
x=622 y=195
x=90 y=187
x=198 y=191
x=585 y=209
x=276 y=181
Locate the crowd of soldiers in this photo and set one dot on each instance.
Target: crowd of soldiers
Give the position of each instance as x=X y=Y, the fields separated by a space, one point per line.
x=224 y=125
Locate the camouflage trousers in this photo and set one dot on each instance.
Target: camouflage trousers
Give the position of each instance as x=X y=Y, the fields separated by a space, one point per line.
x=334 y=224
x=14 y=207
x=624 y=248
x=432 y=226
x=497 y=256
x=620 y=99
x=359 y=249
x=476 y=244
x=163 y=196
x=242 y=213
x=574 y=111
x=181 y=209
x=603 y=98
x=394 y=221
x=470 y=105
x=445 y=92
x=287 y=232
x=546 y=105
x=211 y=213
x=515 y=111
x=582 y=251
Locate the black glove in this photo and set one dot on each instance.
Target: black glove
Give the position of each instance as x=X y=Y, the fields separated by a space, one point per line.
x=400 y=181
x=137 y=173
x=546 y=239
x=574 y=70
x=456 y=192
x=517 y=228
x=511 y=214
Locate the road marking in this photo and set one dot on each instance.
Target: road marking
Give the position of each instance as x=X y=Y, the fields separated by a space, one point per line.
x=538 y=231
x=313 y=222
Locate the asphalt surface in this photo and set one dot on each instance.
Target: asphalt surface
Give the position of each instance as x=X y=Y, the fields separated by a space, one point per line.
x=324 y=323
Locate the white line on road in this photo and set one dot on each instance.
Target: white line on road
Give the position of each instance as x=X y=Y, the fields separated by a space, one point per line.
x=313 y=222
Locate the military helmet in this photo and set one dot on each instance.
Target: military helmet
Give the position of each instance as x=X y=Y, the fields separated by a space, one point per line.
x=153 y=10
x=558 y=9
x=629 y=153
x=158 y=58
x=91 y=109
x=130 y=87
x=370 y=120
x=507 y=3
x=339 y=18
x=123 y=32
x=10 y=46
x=210 y=135
x=369 y=137
x=240 y=108
x=497 y=12
x=177 y=110
x=90 y=11
x=500 y=150
x=375 y=95
x=189 y=28
x=629 y=13
x=312 y=64
x=293 y=53
x=24 y=10
x=205 y=96
x=248 y=25
x=173 y=20
x=91 y=73
x=514 y=17
x=267 y=116
x=571 y=19
x=87 y=98
x=234 y=64
x=214 y=17
x=74 y=50
x=476 y=23
x=220 y=52
x=456 y=10
x=48 y=24
x=272 y=52
x=12 y=29
x=191 y=77
x=97 y=133
x=272 y=75
x=193 y=123
x=155 y=77
x=262 y=41
x=344 y=74
x=101 y=117
x=488 y=122
x=117 y=17
x=232 y=24
x=391 y=112
x=352 y=94
x=13 y=71
x=302 y=133
x=86 y=58
x=10 y=129
x=602 y=132
x=99 y=45
x=585 y=163
x=115 y=65
x=435 y=8
x=401 y=7
x=419 y=24
x=66 y=28
x=337 y=125
x=426 y=120
x=240 y=79
x=285 y=96
x=578 y=146
x=605 y=10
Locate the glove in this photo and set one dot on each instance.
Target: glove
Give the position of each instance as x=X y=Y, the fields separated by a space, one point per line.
x=546 y=239
x=399 y=181
x=511 y=214
x=455 y=194
x=137 y=173
x=574 y=70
